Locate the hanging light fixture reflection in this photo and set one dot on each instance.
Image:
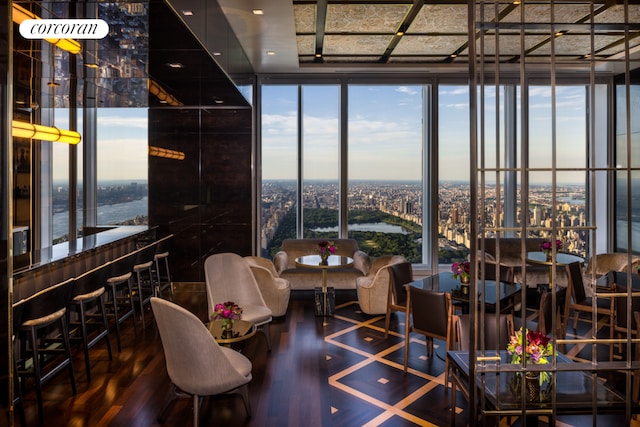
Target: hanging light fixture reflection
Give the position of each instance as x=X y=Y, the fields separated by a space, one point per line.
x=21 y=14
x=156 y=90
x=166 y=153
x=45 y=133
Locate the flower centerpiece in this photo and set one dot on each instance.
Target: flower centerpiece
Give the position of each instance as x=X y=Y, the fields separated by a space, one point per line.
x=535 y=346
x=547 y=247
x=227 y=312
x=461 y=270
x=326 y=248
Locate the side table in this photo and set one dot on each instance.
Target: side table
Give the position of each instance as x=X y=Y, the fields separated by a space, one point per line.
x=325 y=297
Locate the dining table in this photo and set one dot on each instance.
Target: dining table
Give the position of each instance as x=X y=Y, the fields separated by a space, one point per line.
x=498 y=384
x=504 y=299
x=562 y=260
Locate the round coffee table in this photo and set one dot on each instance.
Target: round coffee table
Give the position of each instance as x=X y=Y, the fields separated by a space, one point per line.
x=242 y=330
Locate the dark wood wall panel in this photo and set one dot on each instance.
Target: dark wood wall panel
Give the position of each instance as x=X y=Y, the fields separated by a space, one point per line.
x=205 y=199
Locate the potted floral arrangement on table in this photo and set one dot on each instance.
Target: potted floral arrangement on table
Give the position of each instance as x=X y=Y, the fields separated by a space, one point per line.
x=536 y=348
x=462 y=271
x=227 y=312
x=326 y=248
x=547 y=247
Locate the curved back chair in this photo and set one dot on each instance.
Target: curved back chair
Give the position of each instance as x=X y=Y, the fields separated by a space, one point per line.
x=120 y=292
x=401 y=274
x=196 y=363
x=373 y=289
x=429 y=313
x=40 y=311
x=229 y=278
x=88 y=291
x=275 y=290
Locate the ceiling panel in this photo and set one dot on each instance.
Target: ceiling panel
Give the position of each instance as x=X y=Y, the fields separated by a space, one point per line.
x=364 y=18
x=429 y=45
x=363 y=32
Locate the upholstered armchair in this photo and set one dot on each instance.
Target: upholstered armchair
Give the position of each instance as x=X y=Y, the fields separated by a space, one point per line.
x=373 y=288
x=601 y=264
x=229 y=278
x=275 y=290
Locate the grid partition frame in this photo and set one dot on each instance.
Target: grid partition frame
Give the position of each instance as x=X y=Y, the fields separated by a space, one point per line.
x=503 y=178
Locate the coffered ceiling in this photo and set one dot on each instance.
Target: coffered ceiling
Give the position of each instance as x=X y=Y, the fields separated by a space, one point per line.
x=404 y=35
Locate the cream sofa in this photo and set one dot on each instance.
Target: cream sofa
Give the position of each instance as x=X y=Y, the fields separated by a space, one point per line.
x=309 y=278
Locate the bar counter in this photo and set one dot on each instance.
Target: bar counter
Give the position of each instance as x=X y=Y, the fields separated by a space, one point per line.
x=60 y=262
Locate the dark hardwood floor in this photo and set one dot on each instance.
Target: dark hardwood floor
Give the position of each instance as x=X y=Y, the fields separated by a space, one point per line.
x=338 y=371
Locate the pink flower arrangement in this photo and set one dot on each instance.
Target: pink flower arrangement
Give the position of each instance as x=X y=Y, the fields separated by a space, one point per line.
x=227 y=311
x=327 y=247
x=461 y=269
x=547 y=245
x=536 y=349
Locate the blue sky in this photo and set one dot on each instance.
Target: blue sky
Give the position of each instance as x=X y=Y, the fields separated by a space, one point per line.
x=384 y=133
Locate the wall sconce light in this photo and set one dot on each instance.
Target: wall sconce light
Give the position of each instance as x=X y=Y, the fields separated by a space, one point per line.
x=166 y=153
x=21 y=14
x=44 y=133
x=156 y=90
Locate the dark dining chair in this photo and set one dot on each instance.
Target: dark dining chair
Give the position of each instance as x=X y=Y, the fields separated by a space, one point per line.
x=430 y=314
x=497 y=332
x=401 y=274
x=621 y=321
x=578 y=301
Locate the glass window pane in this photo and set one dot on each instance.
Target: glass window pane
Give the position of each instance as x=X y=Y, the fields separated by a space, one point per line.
x=278 y=217
x=385 y=169
x=320 y=149
x=122 y=151
x=454 y=178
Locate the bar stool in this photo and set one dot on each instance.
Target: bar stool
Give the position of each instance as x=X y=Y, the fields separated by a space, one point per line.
x=162 y=257
x=143 y=272
x=88 y=291
x=120 y=304
x=18 y=400
x=43 y=309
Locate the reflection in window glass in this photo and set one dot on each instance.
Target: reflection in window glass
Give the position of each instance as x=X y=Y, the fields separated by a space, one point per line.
x=624 y=205
x=122 y=166
x=279 y=166
x=385 y=169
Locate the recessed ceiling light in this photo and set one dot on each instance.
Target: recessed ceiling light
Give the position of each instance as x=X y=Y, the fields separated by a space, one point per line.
x=318 y=55
x=217 y=53
x=271 y=52
x=187 y=12
x=400 y=33
x=175 y=65
x=257 y=11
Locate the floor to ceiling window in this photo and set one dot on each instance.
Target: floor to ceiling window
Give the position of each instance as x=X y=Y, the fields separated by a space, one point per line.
x=384 y=199
x=320 y=160
x=278 y=217
x=453 y=170
x=627 y=182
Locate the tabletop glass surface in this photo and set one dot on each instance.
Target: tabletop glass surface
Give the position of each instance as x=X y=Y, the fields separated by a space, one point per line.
x=334 y=261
